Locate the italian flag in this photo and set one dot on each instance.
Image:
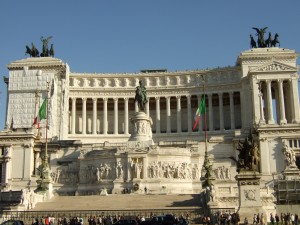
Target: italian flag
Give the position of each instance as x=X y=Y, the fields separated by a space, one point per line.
x=42 y=114
x=200 y=110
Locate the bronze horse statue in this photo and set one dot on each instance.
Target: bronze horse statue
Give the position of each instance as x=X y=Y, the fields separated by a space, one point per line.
x=269 y=40
x=252 y=42
x=33 y=52
x=275 y=41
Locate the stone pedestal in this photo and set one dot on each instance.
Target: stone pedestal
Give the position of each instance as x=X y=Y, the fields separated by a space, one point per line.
x=249 y=194
x=291 y=173
x=45 y=187
x=119 y=186
x=141 y=127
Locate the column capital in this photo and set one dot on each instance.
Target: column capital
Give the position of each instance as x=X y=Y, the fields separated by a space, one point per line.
x=94 y=99
x=188 y=97
x=280 y=81
x=84 y=99
x=178 y=97
x=116 y=99
x=73 y=98
x=105 y=99
x=268 y=82
x=157 y=98
x=126 y=99
x=168 y=97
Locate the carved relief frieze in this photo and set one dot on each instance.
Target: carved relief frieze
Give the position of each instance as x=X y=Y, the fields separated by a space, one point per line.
x=273 y=67
x=222 y=173
x=65 y=175
x=229 y=199
x=173 y=170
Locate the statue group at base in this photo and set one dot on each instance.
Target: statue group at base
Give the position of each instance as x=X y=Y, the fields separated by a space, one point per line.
x=248 y=178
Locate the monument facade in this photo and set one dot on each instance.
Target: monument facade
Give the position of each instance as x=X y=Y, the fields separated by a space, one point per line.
x=99 y=141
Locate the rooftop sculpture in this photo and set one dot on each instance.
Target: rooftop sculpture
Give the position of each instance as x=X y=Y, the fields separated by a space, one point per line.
x=46 y=52
x=261 y=41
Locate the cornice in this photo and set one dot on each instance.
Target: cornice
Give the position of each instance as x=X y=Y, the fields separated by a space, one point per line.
x=208 y=71
x=290 y=129
x=265 y=54
x=153 y=92
x=36 y=63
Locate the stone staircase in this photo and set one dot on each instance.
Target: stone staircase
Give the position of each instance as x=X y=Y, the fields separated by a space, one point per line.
x=120 y=202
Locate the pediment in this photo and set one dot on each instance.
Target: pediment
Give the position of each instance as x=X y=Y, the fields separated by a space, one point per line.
x=274 y=67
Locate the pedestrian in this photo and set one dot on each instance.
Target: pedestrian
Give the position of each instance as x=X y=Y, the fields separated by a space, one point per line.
x=272 y=219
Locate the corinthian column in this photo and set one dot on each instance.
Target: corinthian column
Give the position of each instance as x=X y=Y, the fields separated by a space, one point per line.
x=294 y=99
x=221 y=113
x=189 y=112
x=126 y=116
x=104 y=115
x=232 y=120
x=94 y=115
x=157 y=115
x=270 y=107
x=281 y=102
x=210 y=111
x=168 y=108
x=116 y=116
x=73 y=114
x=178 y=114
x=147 y=107
x=84 y=115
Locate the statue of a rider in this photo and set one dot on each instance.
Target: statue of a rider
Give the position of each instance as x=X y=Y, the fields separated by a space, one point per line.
x=141 y=96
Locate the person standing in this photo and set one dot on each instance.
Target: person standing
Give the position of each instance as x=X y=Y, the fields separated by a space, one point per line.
x=276 y=218
x=272 y=219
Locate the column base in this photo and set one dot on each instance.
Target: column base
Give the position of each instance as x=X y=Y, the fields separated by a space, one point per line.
x=283 y=122
x=262 y=122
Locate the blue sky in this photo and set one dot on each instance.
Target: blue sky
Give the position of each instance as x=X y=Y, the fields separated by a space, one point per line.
x=127 y=36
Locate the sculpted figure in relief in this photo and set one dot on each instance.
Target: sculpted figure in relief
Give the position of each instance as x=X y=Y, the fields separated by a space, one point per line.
x=98 y=175
x=119 y=170
x=137 y=168
x=289 y=155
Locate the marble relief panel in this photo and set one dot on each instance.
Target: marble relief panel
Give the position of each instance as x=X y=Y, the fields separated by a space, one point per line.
x=173 y=170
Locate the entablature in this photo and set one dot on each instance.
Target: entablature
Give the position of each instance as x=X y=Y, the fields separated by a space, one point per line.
x=155 y=92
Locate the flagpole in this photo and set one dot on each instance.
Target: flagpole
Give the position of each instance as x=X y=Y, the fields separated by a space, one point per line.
x=206 y=174
x=46 y=147
x=36 y=113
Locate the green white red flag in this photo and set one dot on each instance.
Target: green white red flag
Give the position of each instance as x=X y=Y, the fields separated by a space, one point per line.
x=200 y=110
x=42 y=113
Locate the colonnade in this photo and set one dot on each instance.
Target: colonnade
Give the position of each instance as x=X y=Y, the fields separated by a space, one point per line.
x=170 y=114
x=285 y=103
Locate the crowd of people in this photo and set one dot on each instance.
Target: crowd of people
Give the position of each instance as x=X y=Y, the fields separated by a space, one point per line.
x=95 y=220
x=218 y=218
x=227 y=218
